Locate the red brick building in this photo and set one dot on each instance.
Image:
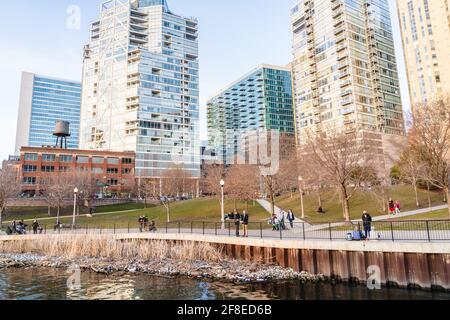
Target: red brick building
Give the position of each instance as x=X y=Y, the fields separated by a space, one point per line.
x=110 y=170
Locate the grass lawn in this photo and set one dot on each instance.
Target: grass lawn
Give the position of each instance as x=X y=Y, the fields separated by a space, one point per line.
x=435 y=215
x=30 y=213
x=360 y=202
x=204 y=209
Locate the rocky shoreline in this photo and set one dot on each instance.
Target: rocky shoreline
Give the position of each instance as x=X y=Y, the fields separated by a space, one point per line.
x=226 y=271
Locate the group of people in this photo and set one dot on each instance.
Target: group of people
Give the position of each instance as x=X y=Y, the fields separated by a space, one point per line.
x=394 y=208
x=20 y=228
x=278 y=221
x=358 y=234
x=240 y=220
x=145 y=225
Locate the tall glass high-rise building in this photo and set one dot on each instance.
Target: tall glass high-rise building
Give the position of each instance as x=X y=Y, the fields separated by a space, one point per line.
x=43 y=102
x=141 y=86
x=344 y=70
x=425 y=26
x=260 y=101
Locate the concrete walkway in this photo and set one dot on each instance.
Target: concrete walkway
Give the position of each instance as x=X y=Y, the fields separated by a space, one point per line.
x=381 y=218
x=268 y=207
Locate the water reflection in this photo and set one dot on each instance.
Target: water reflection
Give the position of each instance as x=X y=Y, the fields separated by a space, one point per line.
x=51 y=284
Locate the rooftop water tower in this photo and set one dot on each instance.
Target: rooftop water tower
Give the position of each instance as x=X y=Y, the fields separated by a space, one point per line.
x=62 y=132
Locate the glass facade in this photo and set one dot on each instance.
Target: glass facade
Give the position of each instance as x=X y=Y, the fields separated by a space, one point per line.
x=141 y=86
x=54 y=100
x=260 y=101
x=345 y=72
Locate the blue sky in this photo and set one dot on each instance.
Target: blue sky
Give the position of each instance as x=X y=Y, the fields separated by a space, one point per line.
x=235 y=36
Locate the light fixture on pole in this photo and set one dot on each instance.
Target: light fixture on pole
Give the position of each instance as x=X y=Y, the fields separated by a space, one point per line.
x=75 y=194
x=222 y=185
x=300 y=183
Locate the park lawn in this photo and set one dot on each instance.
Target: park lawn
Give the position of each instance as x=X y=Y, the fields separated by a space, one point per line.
x=435 y=215
x=31 y=213
x=360 y=202
x=203 y=209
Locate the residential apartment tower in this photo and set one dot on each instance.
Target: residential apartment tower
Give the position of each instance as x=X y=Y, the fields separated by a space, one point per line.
x=141 y=86
x=260 y=101
x=425 y=27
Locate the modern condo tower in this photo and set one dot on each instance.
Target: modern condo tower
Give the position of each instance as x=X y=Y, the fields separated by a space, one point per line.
x=425 y=26
x=260 y=101
x=344 y=70
x=140 y=86
x=43 y=102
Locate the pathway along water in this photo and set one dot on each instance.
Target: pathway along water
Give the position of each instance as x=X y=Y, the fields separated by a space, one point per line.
x=51 y=284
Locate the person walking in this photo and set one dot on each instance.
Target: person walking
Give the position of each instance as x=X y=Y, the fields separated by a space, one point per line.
x=291 y=218
x=245 y=221
x=391 y=207
x=367 y=223
x=237 y=223
x=397 y=207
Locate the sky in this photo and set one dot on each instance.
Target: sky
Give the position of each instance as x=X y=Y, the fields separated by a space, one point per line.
x=235 y=36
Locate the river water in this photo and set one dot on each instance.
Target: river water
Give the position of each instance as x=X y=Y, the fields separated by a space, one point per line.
x=51 y=284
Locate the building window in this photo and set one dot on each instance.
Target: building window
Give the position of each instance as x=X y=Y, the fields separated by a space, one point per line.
x=65 y=158
x=112 y=171
x=82 y=159
x=113 y=182
x=48 y=158
x=31 y=157
x=29 y=180
x=29 y=168
x=127 y=161
x=98 y=160
x=63 y=169
x=97 y=170
x=126 y=171
x=114 y=161
x=48 y=169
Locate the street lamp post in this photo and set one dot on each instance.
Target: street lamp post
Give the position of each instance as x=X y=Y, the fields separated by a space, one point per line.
x=300 y=180
x=75 y=194
x=222 y=185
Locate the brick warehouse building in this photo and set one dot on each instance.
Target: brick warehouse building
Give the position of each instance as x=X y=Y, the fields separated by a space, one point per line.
x=110 y=169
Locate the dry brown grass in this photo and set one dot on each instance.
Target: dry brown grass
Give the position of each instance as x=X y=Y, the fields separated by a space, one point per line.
x=109 y=247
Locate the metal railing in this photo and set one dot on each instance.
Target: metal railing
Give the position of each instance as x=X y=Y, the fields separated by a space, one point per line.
x=394 y=231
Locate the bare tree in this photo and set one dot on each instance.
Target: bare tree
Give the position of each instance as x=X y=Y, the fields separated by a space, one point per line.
x=57 y=188
x=430 y=138
x=345 y=158
x=9 y=188
x=411 y=169
x=242 y=183
x=214 y=173
x=85 y=183
x=176 y=182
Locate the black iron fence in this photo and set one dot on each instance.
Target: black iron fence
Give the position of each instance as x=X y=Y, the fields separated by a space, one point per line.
x=411 y=230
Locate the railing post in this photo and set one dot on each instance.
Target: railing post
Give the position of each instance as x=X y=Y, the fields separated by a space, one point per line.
x=261 y=229
x=229 y=229
x=331 y=232
x=392 y=231
x=167 y=227
x=114 y=228
x=281 y=232
x=192 y=227
x=304 y=233
x=128 y=227
x=428 y=231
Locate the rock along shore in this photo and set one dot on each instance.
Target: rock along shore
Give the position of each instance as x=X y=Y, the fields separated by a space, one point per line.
x=228 y=271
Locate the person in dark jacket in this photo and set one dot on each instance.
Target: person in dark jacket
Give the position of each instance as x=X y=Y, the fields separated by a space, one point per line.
x=367 y=223
x=291 y=218
x=237 y=222
x=35 y=227
x=245 y=219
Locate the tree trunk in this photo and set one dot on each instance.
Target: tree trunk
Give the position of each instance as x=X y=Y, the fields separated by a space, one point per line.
x=57 y=213
x=345 y=204
x=447 y=192
x=235 y=204
x=168 y=212
x=429 y=195
x=2 y=209
x=272 y=202
x=319 y=198
x=417 y=193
